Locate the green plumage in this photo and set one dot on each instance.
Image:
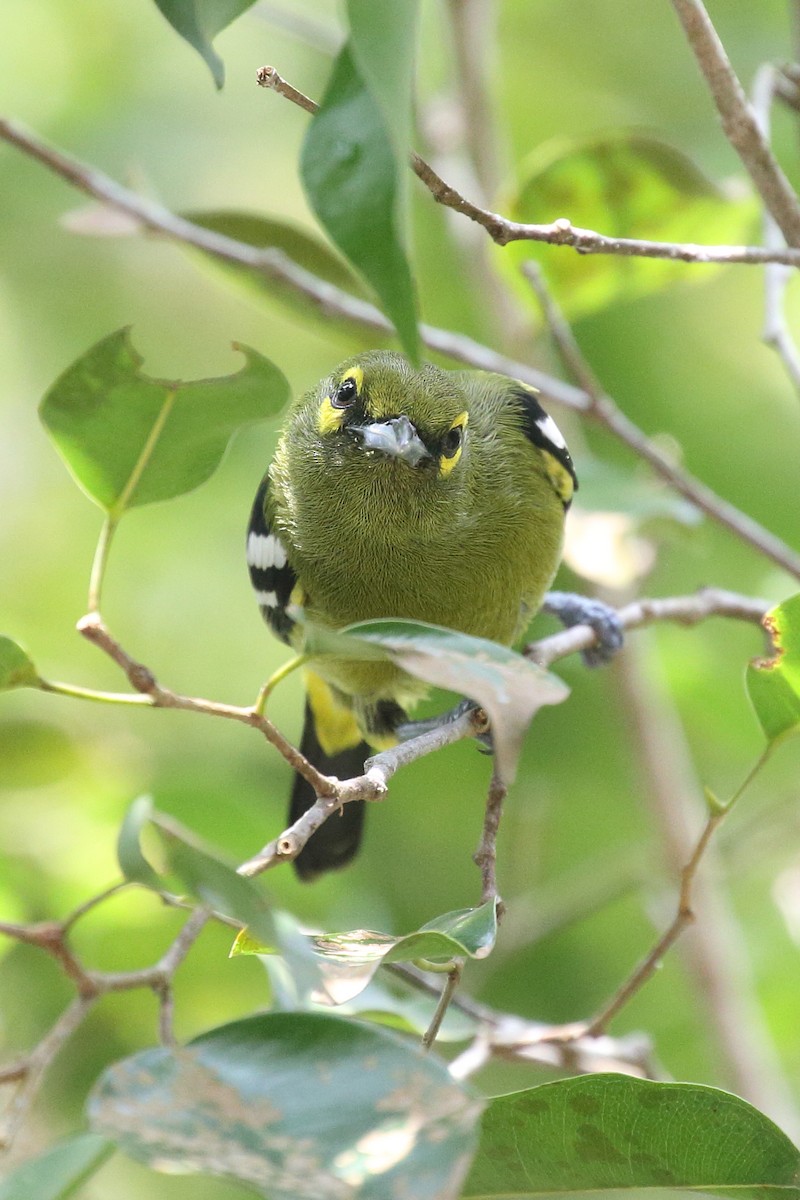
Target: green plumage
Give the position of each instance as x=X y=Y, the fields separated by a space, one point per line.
x=453 y=515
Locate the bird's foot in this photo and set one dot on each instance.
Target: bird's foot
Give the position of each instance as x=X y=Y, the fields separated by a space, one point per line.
x=572 y=609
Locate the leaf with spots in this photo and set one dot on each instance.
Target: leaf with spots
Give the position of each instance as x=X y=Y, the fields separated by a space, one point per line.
x=510 y=688
x=295 y=1105
x=131 y=440
x=774 y=683
x=16 y=668
x=615 y=1135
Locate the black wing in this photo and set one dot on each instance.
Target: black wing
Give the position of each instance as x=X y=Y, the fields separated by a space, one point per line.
x=272 y=576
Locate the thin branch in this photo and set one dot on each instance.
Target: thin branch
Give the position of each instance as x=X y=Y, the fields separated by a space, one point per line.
x=485 y=856
x=776 y=333
x=370 y=786
x=334 y=302
x=739 y=122
x=560 y=232
x=684 y=610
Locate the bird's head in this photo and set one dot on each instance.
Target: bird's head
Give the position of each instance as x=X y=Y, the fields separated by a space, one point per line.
x=379 y=409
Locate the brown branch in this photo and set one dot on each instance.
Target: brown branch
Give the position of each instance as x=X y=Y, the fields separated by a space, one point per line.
x=739 y=121
x=776 y=333
x=485 y=856
x=560 y=232
x=334 y=302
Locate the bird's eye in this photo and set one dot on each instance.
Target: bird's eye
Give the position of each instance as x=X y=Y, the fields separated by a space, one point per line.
x=452 y=440
x=345 y=394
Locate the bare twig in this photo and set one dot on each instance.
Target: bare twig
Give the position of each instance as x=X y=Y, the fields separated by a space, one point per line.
x=776 y=276
x=485 y=856
x=560 y=232
x=684 y=610
x=333 y=301
x=739 y=121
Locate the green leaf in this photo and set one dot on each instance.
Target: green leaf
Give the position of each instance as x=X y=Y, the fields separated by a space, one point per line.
x=509 y=687
x=199 y=22
x=295 y=1105
x=628 y=185
x=132 y=440
x=352 y=178
x=58 y=1172
x=196 y=868
x=16 y=668
x=774 y=683
x=132 y=862
x=612 y=1132
x=346 y=962
x=382 y=41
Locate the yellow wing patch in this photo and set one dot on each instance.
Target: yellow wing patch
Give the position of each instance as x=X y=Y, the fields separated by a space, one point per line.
x=559 y=476
x=335 y=724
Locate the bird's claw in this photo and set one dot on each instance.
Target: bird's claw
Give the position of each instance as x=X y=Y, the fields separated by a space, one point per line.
x=572 y=609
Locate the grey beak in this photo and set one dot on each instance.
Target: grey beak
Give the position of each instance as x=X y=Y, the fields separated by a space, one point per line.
x=397 y=438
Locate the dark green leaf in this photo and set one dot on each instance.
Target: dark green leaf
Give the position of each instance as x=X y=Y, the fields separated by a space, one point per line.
x=199 y=21
x=295 y=1105
x=59 y=1172
x=604 y=1132
x=131 y=440
x=352 y=178
x=509 y=687
x=774 y=683
x=16 y=669
x=629 y=185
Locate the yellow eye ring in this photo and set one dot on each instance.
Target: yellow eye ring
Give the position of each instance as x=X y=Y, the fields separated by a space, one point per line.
x=452 y=445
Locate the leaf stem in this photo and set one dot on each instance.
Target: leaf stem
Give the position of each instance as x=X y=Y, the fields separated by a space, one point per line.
x=99 y=562
x=81 y=693
x=277 y=677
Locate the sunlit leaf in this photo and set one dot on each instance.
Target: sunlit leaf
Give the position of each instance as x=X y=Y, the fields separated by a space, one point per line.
x=774 y=683
x=614 y=1133
x=295 y=1105
x=58 y=1172
x=130 y=440
x=629 y=185
x=352 y=178
x=16 y=668
x=509 y=687
x=199 y=22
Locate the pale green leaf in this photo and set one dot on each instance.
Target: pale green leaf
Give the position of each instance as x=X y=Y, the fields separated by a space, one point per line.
x=774 y=683
x=16 y=668
x=199 y=21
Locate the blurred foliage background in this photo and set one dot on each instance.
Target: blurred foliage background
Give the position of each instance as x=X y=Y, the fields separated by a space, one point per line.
x=586 y=864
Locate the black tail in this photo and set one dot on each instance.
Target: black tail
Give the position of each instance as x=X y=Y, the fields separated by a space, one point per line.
x=335 y=842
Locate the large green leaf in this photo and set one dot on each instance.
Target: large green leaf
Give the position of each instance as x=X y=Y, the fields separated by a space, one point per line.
x=774 y=683
x=509 y=687
x=199 y=21
x=629 y=185
x=613 y=1133
x=58 y=1172
x=351 y=174
x=131 y=440
x=295 y=1105
x=185 y=863
x=16 y=668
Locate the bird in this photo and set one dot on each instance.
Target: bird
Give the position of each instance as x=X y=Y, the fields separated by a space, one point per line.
x=405 y=491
